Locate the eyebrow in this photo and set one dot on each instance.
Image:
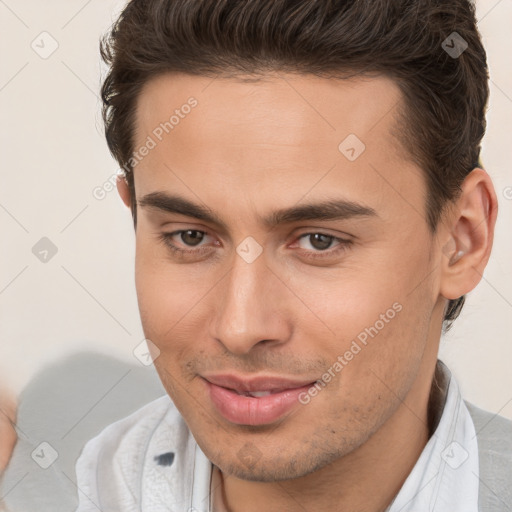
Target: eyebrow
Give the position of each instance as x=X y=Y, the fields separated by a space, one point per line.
x=333 y=209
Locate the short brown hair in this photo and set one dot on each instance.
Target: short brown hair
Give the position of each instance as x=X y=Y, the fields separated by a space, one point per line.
x=445 y=96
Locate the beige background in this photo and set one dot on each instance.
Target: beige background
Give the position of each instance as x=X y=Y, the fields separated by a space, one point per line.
x=54 y=155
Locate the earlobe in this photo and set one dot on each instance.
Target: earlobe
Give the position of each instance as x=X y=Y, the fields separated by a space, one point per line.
x=471 y=233
x=123 y=190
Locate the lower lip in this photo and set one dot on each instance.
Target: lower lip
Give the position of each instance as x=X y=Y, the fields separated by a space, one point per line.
x=248 y=410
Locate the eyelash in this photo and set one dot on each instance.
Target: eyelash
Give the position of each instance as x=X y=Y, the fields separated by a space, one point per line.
x=341 y=247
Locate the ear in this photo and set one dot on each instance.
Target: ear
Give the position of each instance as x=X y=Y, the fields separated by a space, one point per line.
x=468 y=242
x=123 y=190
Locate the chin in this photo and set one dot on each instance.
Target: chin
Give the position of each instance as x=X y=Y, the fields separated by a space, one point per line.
x=271 y=466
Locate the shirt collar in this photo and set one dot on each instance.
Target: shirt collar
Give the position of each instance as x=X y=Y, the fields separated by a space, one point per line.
x=446 y=475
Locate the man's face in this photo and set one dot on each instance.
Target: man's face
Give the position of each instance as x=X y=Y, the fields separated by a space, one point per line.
x=290 y=299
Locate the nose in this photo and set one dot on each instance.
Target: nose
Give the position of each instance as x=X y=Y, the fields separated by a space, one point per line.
x=252 y=307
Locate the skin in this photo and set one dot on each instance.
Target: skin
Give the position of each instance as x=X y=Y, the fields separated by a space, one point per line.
x=8 y=436
x=246 y=150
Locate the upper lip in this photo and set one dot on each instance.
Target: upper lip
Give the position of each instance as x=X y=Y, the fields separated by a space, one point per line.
x=255 y=383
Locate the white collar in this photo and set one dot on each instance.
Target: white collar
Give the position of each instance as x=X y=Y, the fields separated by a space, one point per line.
x=446 y=475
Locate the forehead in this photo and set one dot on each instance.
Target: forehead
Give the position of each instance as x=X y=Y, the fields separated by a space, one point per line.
x=293 y=108
x=297 y=133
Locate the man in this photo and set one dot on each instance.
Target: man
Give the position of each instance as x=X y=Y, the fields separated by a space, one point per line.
x=309 y=211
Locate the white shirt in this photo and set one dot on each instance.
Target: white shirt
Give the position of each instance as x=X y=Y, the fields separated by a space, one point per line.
x=445 y=477
x=130 y=465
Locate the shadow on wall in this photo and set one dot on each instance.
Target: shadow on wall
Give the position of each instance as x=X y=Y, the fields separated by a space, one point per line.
x=64 y=406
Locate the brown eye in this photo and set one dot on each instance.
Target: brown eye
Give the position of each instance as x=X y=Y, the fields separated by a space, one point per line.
x=321 y=245
x=191 y=237
x=185 y=242
x=320 y=241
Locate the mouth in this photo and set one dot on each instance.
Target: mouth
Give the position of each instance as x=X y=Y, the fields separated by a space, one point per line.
x=256 y=384
x=258 y=394
x=256 y=401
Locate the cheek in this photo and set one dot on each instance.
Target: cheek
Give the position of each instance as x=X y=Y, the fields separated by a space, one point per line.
x=380 y=317
x=392 y=344
x=166 y=292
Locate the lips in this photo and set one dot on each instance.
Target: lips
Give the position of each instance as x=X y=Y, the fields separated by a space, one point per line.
x=257 y=384
x=254 y=401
